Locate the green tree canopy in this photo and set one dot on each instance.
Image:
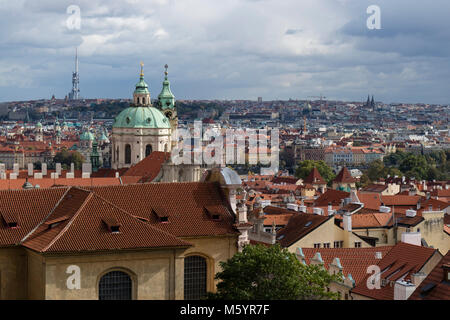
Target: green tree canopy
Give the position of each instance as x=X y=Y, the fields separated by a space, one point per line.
x=304 y=168
x=66 y=157
x=271 y=273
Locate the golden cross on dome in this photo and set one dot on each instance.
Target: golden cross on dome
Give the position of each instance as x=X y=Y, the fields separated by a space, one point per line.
x=142 y=68
x=166 y=67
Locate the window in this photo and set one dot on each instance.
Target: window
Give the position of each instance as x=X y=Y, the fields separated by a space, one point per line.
x=194 y=278
x=357 y=244
x=326 y=245
x=336 y=244
x=115 y=285
x=316 y=245
x=127 y=154
x=148 y=150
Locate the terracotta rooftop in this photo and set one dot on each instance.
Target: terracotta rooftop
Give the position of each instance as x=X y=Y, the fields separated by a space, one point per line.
x=149 y=168
x=314 y=177
x=75 y=219
x=354 y=261
x=331 y=196
x=435 y=287
x=401 y=262
x=344 y=176
x=81 y=222
x=299 y=226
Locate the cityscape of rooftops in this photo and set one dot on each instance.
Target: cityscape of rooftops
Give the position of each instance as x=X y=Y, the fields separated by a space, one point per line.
x=240 y=150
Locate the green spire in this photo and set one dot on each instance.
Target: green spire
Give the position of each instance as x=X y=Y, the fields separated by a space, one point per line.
x=141 y=86
x=166 y=97
x=95 y=157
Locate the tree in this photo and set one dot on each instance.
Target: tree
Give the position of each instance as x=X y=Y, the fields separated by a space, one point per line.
x=66 y=158
x=271 y=273
x=304 y=168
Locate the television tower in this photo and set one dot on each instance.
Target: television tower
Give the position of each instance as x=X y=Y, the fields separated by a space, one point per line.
x=74 y=94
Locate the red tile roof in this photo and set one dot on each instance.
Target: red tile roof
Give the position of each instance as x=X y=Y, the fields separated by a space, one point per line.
x=78 y=220
x=401 y=262
x=299 y=226
x=344 y=176
x=149 y=168
x=80 y=223
x=331 y=196
x=354 y=261
x=400 y=200
x=439 y=288
x=314 y=177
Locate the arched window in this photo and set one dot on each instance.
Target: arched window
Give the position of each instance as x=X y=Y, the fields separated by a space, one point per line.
x=115 y=285
x=137 y=100
x=194 y=278
x=143 y=100
x=148 y=150
x=127 y=154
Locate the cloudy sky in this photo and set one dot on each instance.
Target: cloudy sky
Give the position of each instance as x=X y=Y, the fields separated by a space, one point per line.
x=228 y=49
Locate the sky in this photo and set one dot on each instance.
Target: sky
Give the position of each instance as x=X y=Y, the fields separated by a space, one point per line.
x=229 y=49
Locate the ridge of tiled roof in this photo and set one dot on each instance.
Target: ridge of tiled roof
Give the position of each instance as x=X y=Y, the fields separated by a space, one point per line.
x=30 y=207
x=344 y=176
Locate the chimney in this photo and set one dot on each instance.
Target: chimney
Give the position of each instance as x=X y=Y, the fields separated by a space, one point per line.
x=413 y=238
x=403 y=290
x=30 y=169
x=428 y=196
x=58 y=169
x=44 y=169
x=347 y=222
x=417 y=278
x=318 y=211
x=446 y=268
x=411 y=213
x=378 y=255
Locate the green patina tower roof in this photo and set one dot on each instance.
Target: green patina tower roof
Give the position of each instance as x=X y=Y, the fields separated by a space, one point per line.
x=166 y=97
x=87 y=136
x=141 y=117
x=141 y=86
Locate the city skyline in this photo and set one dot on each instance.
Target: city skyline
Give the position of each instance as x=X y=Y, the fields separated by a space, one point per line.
x=237 y=50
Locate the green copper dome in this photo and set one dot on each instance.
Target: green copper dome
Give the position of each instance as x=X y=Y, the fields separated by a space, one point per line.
x=141 y=117
x=141 y=86
x=87 y=136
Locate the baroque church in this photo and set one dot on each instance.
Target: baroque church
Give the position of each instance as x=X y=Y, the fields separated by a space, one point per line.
x=143 y=128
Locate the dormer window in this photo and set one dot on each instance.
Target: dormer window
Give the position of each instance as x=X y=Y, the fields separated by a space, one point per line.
x=112 y=224
x=12 y=225
x=11 y=220
x=214 y=212
x=161 y=214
